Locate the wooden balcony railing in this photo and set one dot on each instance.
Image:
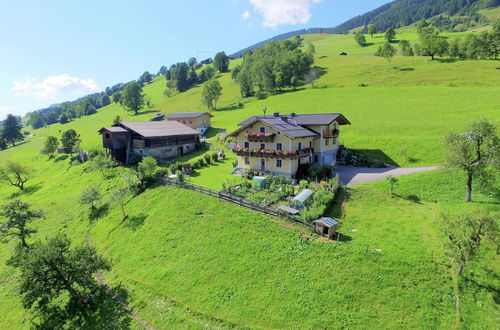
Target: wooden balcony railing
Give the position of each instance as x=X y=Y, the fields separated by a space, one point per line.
x=260 y=137
x=263 y=153
x=330 y=133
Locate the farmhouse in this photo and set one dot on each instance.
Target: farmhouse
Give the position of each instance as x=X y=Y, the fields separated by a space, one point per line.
x=159 y=139
x=199 y=121
x=281 y=143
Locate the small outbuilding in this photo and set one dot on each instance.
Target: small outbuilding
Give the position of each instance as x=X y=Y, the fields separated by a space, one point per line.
x=325 y=226
x=343 y=54
x=300 y=200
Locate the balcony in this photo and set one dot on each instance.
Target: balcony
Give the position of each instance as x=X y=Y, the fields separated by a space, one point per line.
x=268 y=153
x=260 y=137
x=331 y=133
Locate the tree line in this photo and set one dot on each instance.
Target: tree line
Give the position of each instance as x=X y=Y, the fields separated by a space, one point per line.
x=276 y=65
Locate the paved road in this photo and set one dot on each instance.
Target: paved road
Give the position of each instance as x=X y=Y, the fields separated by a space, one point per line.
x=355 y=175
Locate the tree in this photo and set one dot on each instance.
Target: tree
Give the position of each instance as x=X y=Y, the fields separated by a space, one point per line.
x=392 y=180
x=191 y=62
x=52 y=274
x=19 y=216
x=118 y=198
x=64 y=119
x=390 y=34
x=422 y=24
x=454 y=48
x=69 y=140
x=372 y=29
x=211 y=92
x=432 y=43
x=132 y=97
x=475 y=152
x=117 y=97
x=50 y=146
x=179 y=76
x=89 y=196
x=312 y=76
x=162 y=70
x=405 y=48
x=102 y=163
x=221 y=62
x=360 y=38
x=145 y=78
x=142 y=175
x=14 y=173
x=117 y=120
x=105 y=100
x=11 y=132
x=3 y=143
x=386 y=51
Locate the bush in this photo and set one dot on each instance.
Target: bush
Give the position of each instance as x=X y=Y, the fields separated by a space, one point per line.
x=261 y=95
x=214 y=156
x=180 y=175
x=176 y=167
x=208 y=159
x=303 y=184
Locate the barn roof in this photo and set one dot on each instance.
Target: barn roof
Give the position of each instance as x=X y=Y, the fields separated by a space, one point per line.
x=113 y=129
x=329 y=222
x=154 y=129
x=176 y=115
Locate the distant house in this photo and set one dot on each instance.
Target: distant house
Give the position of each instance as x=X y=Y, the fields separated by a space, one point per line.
x=159 y=139
x=281 y=143
x=343 y=54
x=199 y=121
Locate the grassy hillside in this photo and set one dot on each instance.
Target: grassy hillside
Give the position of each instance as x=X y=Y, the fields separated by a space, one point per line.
x=188 y=260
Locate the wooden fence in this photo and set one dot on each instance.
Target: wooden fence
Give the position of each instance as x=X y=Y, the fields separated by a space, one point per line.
x=236 y=200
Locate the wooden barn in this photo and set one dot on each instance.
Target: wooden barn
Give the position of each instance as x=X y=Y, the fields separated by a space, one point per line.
x=159 y=139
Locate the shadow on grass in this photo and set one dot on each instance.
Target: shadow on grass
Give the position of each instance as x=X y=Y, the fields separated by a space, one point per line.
x=61 y=158
x=99 y=212
x=411 y=198
x=212 y=132
x=231 y=107
x=134 y=222
x=378 y=155
x=446 y=60
x=27 y=191
x=104 y=312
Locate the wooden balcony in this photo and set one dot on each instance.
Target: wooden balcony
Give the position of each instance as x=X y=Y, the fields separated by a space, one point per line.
x=260 y=137
x=268 y=153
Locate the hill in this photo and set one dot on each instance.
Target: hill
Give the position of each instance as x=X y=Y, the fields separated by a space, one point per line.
x=188 y=260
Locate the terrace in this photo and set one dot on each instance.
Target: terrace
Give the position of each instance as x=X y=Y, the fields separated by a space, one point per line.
x=260 y=137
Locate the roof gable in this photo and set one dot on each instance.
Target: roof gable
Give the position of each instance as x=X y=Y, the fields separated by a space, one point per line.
x=152 y=129
x=179 y=115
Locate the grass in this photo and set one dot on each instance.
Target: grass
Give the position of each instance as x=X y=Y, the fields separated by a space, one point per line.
x=189 y=260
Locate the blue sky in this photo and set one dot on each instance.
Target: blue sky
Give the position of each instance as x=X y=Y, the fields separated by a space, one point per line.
x=52 y=51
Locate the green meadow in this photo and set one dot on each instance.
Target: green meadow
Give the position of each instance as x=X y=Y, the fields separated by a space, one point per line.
x=191 y=261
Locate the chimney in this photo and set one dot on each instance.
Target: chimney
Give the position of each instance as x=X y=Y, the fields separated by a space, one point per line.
x=293 y=114
x=284 y=118
x=276 y=114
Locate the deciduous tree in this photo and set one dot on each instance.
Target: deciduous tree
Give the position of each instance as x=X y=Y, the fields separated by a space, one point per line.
x=372 y=29
x=69 y=140
x=50 y=146
x=476 y=152
x=15 y=174
x=360 y=38
x=132 y=97
x=90 y=196
x=211 y=92
x=221 y=62
x=19 y=217
x=390 y=34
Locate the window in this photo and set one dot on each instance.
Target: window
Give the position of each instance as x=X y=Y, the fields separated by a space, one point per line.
x=183 y=121
x=262 y=129
x=107 y=136
x=247 y=144
x=316 y=158
x=300 y=145
x=327 y=141
x=247 y=160
x=334 y=140
x=310 y=144
x=310 y=159
x=262 y=146
x=278 y=163
x=279 y=146
x=190 y=122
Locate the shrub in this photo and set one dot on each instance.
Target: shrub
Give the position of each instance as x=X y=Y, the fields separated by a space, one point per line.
x=214 y=156
x=208 y=159
x=180 y=175
x=261 y=95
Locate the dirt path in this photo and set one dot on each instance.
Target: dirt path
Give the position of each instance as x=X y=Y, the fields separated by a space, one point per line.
x=350 y=175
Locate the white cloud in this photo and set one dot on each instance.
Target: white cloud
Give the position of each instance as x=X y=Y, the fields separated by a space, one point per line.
x=278 y=12
x=54 y=86
x=245 y=15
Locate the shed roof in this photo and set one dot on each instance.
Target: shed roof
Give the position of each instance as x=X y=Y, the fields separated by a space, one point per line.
x=329 y=222
x=152 y=129
x=303 y=195
x=176 y=115
x=113 y=129
x=288 y=209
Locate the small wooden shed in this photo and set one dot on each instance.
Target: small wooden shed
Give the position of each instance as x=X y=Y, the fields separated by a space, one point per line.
x=325 y=226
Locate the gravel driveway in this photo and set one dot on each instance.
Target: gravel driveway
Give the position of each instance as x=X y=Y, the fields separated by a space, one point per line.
x=355 y=175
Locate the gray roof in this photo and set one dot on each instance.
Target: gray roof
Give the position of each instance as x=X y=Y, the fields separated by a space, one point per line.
x=113 y=129
x=305 y=119
x=329 y=222
x=176 y=115
x=151 y=129
x=289 y=128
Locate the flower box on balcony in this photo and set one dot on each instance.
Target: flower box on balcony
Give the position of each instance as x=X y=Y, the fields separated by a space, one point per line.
x=260 y=137
x=293 y=154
